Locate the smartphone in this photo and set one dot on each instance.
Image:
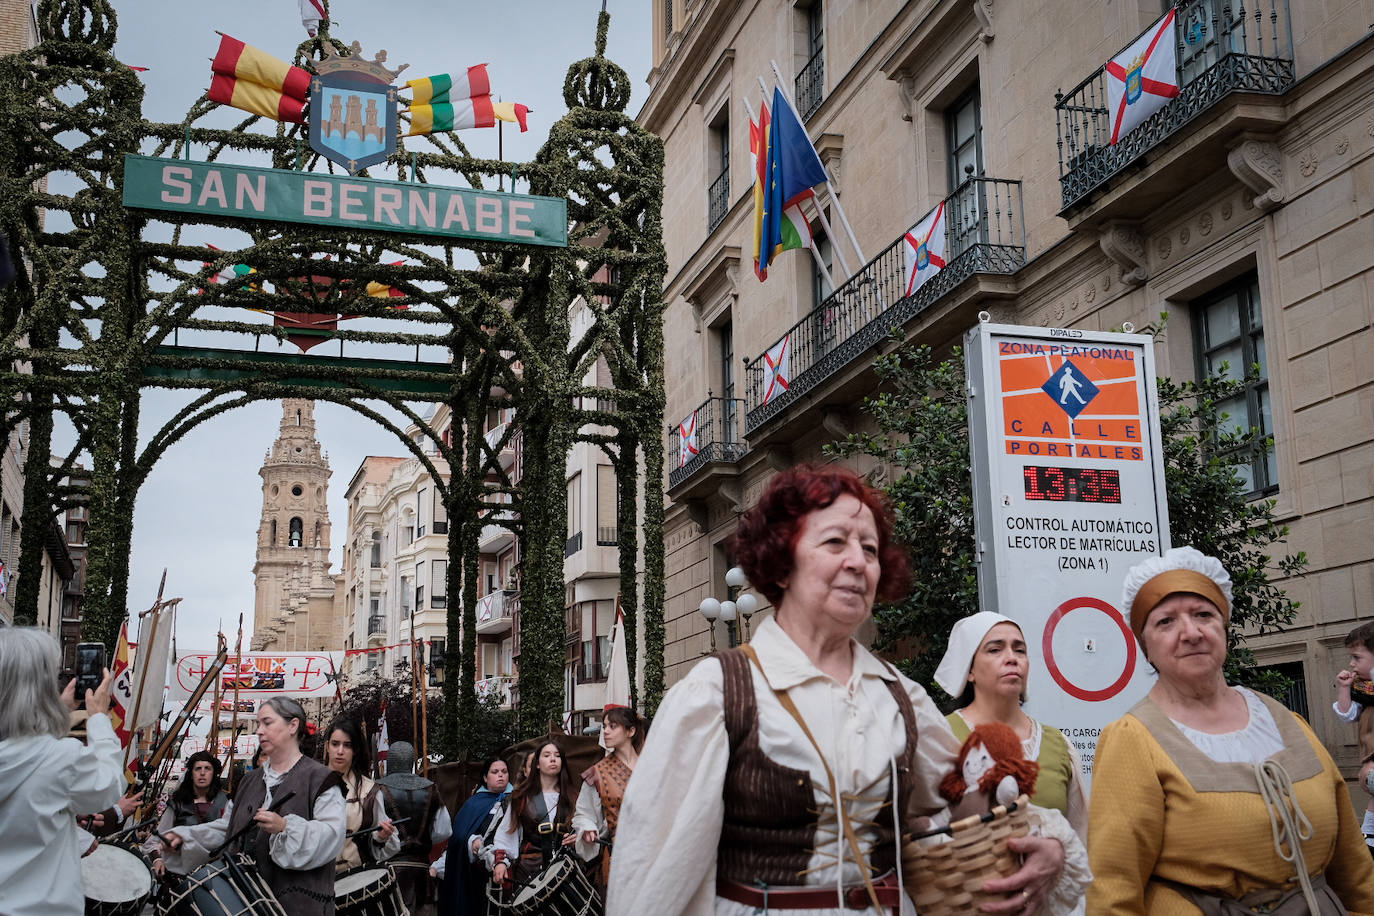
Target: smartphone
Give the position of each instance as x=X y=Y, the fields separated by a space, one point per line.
x=90 y=667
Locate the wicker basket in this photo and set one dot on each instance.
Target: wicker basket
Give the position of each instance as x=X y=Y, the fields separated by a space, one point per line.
x=946 y=879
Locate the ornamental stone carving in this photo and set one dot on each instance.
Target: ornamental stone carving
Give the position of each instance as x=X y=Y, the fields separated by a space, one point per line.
x=1259 y=166
x=1122 y=241
x=982 y=10
x=1204 y=223
x=1308 y=163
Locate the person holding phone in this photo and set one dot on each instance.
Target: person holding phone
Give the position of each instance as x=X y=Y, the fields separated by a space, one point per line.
x=45 y=776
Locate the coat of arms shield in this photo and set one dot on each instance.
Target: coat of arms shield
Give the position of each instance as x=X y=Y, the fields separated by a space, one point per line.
x=353 y=110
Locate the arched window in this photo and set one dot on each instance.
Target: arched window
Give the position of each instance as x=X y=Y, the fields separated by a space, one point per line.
x=296 y=532
x=318 y=530
x=298 y=417
x=273 y=541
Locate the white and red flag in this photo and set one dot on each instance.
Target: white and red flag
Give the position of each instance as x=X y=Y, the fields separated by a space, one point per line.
x=687 y=440
x=777 y=369
x=382 y=743
x=312 y=13
x=1143 y=78
x=925 y=249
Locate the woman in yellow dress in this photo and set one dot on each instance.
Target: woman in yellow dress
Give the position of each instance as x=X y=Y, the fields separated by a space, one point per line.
x=1212 y=799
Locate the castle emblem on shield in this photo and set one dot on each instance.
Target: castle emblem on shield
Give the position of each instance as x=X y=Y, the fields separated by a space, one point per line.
x=353 y=109
x=1134 y=77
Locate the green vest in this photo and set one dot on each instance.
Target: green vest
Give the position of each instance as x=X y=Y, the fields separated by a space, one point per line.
x=1056 y=767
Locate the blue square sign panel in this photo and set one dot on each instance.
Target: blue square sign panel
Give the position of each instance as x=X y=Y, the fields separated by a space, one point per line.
x=1070 y=388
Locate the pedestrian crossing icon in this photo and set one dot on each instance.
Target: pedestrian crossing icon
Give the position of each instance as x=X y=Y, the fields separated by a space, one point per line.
x=1070 y=389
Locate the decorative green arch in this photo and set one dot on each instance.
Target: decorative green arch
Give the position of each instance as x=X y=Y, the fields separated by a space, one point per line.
x=105 y=294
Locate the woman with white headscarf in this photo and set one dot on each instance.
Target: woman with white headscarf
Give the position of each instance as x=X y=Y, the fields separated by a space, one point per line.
x=1212 y=799
x=985 y=667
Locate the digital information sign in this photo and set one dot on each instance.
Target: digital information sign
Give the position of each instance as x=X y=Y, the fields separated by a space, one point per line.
x=1068 y=488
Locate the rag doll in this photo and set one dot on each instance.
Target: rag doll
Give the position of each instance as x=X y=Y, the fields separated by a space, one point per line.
x=992 y=770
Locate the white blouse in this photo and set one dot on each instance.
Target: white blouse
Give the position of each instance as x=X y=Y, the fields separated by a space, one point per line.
x=509 y=834
x=302 y=845
x=1256 y=742
x=670 y=821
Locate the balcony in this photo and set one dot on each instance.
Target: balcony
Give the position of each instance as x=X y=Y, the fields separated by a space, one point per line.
x=502 y=685
x=718 y=200
x=493 y=538
x=713 y=437
x=376 y=630
x=810 y=85
x=984 y=234
x=1222 y=47
x=493 y=614
x=504 y=452
x=607 y=536
x=572 y=545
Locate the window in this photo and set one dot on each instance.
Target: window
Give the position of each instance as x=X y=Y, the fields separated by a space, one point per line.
x=410 y=534
x=1229 y=332
x=76 y=533
x=574 y=542
x=405 y=597
x=1295 y=697
x=964 y=132
x=374 y=606
x=810 y=82
x=718 y=169
x=606 y=533
x=273 y=541
x=824 y=322
x=594 y=619
x=423 y=508
x=420 y=586
x=376 y=558
x=440 y=513
x=438 y=583
x=297 y=531
x=725 y=340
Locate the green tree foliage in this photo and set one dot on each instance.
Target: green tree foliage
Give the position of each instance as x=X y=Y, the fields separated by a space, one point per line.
x=922 y=421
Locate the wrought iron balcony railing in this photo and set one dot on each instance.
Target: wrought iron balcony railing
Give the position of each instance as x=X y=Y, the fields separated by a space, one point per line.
x=376 y=625
x=710 y=433
x=1222 y=46
x=984 y=233
x=810 y=85
x=718 y=200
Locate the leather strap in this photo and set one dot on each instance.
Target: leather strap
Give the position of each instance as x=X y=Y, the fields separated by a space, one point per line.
x=848 y=828
x=772 y=897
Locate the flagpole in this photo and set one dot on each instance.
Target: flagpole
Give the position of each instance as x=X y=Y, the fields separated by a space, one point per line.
x=829 y=186
x=820 y=211
x=234 y=722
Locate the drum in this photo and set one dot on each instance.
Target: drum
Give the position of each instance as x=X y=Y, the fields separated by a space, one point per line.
x=116 y=882
x=561 y=889
x=368 y=892
x=228 y=886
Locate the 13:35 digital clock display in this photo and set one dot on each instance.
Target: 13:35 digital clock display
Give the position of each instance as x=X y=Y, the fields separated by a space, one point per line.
x=1074 y=485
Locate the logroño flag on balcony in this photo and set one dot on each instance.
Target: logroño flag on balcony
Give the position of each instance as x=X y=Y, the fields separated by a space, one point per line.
x=796 y=231
x=925 y=249
x=777 y=369
x=1143 y=78
x=687 y=440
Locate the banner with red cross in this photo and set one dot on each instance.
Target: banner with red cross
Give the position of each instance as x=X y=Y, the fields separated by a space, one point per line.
x=687 y=440
x=777 y=369
x=1143 y=78
x=925 y=249
x=259 y=675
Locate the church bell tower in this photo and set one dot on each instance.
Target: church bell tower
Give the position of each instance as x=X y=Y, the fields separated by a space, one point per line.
x=293 y=538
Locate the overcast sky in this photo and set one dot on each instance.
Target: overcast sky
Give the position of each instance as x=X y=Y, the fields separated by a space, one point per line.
x=198 y=513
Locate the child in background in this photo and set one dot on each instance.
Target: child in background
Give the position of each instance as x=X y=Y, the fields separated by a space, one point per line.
x=1355 y=703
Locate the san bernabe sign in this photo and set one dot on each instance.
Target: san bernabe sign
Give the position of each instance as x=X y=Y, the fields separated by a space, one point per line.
x=237 y=191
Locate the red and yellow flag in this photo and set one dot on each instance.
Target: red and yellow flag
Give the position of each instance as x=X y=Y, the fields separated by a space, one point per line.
x=251 y=80
x=122 y=695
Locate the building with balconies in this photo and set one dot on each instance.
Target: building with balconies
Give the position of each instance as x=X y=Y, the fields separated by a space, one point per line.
x=1241 y=208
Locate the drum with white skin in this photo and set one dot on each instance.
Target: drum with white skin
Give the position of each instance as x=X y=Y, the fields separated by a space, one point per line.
x=561 y=889
x=368 y=892
x=116 y=882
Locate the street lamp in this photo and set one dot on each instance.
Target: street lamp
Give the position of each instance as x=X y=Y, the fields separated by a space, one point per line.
x=735 y=607
x=710 y=609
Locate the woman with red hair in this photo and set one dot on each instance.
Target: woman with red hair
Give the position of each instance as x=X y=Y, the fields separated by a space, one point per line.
x=779 y=775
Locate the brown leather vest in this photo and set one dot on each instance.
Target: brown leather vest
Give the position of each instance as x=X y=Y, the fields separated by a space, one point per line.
x=769 y=829
x=300 y=892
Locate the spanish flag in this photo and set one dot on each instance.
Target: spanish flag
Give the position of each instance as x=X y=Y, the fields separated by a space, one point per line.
x=480 y=111
x=435 y=90
x=255 y=81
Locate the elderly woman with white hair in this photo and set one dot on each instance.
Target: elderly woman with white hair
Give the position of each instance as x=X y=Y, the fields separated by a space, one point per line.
x=45 y=776
x=1212 y=799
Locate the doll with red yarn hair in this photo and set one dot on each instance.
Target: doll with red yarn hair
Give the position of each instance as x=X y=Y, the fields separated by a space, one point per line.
x=992 y=770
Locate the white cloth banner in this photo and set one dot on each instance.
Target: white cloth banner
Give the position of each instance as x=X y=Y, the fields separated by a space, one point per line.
x=777 y=369
x=1143 y=78
x=925 y=249
x=153 y=654
x=687 y=440
x=259 y=675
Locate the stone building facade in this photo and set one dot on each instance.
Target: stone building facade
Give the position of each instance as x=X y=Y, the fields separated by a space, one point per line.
x=294 y=606
x=1243 y=211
